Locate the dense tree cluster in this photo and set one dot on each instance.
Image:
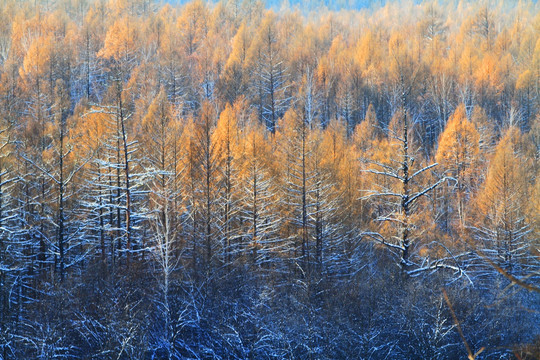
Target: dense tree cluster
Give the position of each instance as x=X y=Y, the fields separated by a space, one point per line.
x=225 y=181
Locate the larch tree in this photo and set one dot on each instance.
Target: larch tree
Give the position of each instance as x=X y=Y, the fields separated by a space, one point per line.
x=457 y=155
x=270 y=73
x=88 y=44
x=466 y=90
x=404 y=172
x=368 y=132
x=328 y=77
x=323 y=191
x=487 y=132
x=34 y=73
x=190 y=210
x=259 y=229
x=192 y=25
x=350 y=211
x=227 y=142
x=160 y=139
x=163 y=247
x=324 y=213
x=502 y=229
x=154 y=137
x=233 y=81
x=170 y=58
x=485 y=25
x=302 y=183
x=441 y=82
x=207 y=166
x=61 y=167
x=117 y=159
x=119 y=49
x=97 y=203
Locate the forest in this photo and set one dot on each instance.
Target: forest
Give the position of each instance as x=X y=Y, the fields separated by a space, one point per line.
x=241 y=180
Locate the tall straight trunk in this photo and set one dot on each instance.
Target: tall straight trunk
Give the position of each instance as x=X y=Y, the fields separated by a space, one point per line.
x=127 y=188
x=405 y=206
x=119 y=234
x=61 y=186
x=208 y=214
x=113 y=235
x=101 y=222
x=254 y=235
x=305 y=239
x=228 y=197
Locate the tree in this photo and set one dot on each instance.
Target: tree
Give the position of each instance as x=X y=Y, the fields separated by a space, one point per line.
x=484 y=25
x=306 y=200
x=169 y=58
x=328 y=79
x=207 y=169
x=97 y=203
x=295 y=184
x=457 y=155
x=118 y=162
x=270 y=73
x=227 y=144
x=402 y=193
x=351 y=213
x=257 y=206
x=502 y=230
x=88 y=44
x=233 y=81
x=192 y=25
x=62 y=169
x=368 y=132
x=119 y=45
x=486 y=131
x=160 y=139
x=36 y=67
x=164 y=249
